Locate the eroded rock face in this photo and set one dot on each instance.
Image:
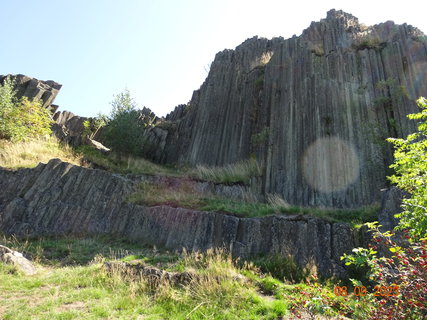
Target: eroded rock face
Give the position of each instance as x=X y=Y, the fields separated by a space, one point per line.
x=59 y=198
x=313 y=109
x=69 y=127
x=33 y=88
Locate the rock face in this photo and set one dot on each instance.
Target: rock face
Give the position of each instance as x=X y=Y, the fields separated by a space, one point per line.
x=314 y=110
x=68 y=127
x=390 y=206
x=59 y=198
x=32 y=88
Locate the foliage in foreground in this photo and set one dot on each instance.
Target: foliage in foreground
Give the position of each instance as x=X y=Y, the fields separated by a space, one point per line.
x=72 y=284
x=410 y=167
x=399 y=272
x=21 y=119
x=400 y=278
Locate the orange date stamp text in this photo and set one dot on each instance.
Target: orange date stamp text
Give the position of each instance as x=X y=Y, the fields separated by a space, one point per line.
x=361 y=291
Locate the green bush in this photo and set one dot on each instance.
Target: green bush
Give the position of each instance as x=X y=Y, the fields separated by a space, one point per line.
x=124 y=133
x=410 y=167
x=405 y=272
x=21 y=119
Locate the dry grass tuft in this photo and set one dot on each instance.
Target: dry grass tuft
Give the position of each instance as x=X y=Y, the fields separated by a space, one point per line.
x=28 y=154
x=240 y=172
x=276 y=201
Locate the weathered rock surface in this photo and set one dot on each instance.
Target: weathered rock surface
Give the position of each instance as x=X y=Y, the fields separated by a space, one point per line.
x=59 y=198
x=32 y=88
x=18 y=260
x=313 y=109
x=69 y=127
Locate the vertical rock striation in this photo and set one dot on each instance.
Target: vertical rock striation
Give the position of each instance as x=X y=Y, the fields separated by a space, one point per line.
x=59 y=198
x=314 y=110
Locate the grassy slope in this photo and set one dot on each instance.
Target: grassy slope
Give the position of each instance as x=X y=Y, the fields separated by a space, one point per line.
x=186 y=195
x=28 y=154
x=71 y=284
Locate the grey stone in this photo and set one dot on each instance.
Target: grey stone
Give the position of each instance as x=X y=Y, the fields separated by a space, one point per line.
x=390 y=206
x=16 y=258
x=98 y=145
x=45 y=91
x=59 y=198
x=314 y=110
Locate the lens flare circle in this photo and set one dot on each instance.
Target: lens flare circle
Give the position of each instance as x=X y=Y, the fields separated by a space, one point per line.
x=330 y=164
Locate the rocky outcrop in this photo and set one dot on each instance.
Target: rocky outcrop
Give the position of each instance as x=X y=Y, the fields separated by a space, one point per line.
x=16 y=259
x=59 y=198
x=69 y=127
x=45 y=91
x=314 y=110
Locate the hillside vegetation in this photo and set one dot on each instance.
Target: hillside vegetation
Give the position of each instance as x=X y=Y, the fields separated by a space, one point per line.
x=72 y=284
x=29 y=153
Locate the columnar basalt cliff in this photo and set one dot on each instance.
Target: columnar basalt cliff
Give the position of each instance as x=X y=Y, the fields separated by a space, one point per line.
x=45 y=91
x=314 y=110
x=62 y=199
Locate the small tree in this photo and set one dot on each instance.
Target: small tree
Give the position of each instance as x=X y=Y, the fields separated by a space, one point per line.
x=124 y=133
x=21 y=119
x=7 y=102
x=91 y=127
x=410 y=166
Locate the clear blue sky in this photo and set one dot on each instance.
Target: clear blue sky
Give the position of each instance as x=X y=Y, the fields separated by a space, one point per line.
x=157 y=49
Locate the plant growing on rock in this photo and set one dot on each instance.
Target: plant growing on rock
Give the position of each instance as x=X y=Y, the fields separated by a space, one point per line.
x=21 y=119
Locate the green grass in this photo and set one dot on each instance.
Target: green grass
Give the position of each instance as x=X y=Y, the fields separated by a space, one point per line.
x=237 y=173
x=28 y=154
x=123 y=164
x=81 y=289
x=184 y=194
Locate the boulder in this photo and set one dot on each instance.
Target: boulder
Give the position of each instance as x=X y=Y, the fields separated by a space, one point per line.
x=16 y=258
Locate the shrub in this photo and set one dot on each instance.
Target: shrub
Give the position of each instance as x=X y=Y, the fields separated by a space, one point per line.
x=21 y=119
x=124 y=133
x=91 y=127
x=261 y=137
x=401 y=280
x=404 y=274
x=410 y=166
x=368 y=42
